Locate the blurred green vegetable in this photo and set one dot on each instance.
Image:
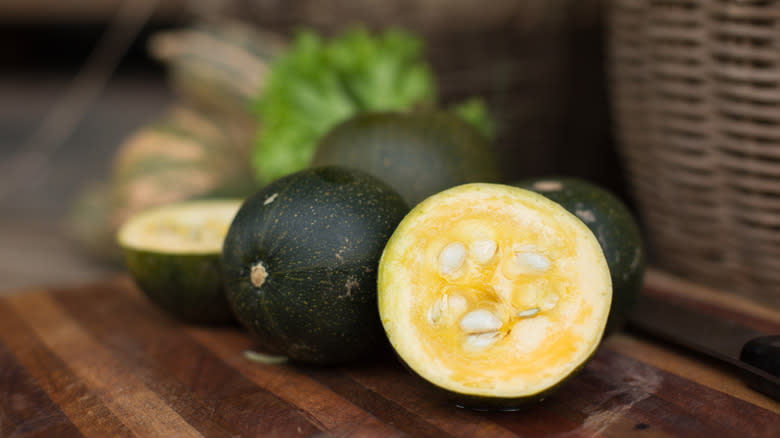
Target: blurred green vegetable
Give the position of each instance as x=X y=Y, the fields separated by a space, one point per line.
x=319 y=83
x=475 y=112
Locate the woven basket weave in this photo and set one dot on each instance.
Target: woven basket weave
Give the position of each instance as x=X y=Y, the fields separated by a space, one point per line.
x=696 y=98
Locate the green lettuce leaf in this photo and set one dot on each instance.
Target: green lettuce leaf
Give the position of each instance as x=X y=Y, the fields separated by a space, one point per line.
x=475 y=112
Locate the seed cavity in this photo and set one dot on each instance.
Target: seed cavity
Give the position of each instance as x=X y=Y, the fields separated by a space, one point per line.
x=436 y=309
x=452 y=257
x=480 y=321
x=446 y=305
x=532 y=260
x=549 y=301
x=481 y=340
x=483 y=250
x=525 y=260
x=528 y=312
x=456 y=304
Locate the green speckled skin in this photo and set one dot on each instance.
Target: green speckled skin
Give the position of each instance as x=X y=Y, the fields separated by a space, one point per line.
x=418 y=153
x=187 y=286
x=616 y=230
x=319 y=234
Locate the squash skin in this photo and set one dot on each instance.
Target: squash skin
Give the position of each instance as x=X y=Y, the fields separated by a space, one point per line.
x=319 y=234
x=187 y=287
x=418 y=153
x=615 y=228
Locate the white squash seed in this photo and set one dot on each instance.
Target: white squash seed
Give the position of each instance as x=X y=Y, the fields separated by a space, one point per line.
x=480 y=321
x=452 y=257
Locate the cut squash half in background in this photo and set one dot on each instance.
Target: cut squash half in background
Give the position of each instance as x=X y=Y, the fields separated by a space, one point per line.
x=173 y=252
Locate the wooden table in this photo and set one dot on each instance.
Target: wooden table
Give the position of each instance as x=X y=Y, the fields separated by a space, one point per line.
x=99 y=360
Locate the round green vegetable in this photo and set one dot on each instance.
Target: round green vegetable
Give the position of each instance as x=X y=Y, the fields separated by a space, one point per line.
x=418 y=153
x=616 y=230
x=301 y=260
x=173 y=253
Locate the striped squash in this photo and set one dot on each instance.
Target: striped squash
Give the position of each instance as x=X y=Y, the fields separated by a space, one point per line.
x=220 y=65
x=186 y=154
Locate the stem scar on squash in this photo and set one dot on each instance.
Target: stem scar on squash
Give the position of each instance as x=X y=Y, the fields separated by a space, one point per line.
x=258 y=274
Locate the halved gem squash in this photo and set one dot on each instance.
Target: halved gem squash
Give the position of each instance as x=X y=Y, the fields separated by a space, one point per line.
x=173 y=252
x=493 y=293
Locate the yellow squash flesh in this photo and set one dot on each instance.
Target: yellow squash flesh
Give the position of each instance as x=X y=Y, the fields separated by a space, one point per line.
x=194 y=227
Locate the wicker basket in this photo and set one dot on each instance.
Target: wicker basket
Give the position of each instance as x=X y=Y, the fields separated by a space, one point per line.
x=696 y=98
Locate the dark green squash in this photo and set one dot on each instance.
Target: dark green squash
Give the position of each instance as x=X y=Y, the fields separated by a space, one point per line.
x=616 y=230
x=418 y=153
x=300 y=262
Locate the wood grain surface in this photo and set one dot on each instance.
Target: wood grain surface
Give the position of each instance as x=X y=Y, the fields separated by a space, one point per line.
x=99 y=361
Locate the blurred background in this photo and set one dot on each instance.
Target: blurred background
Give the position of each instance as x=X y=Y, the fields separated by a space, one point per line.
x=672 y=105
x=79 y=78
x=62 y=121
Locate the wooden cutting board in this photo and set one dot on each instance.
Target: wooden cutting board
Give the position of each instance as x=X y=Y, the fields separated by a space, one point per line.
x=101 y=361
